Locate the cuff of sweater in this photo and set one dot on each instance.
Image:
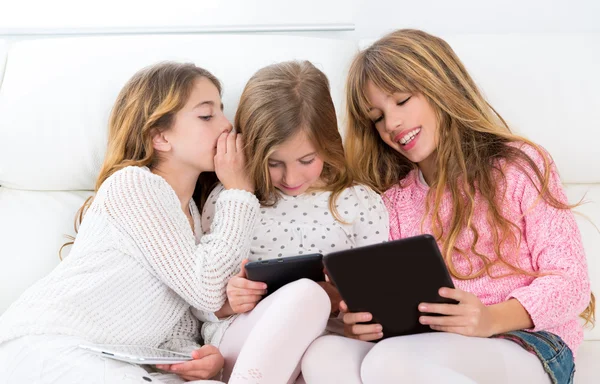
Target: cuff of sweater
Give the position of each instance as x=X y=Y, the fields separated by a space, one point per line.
x=534 y=305
x=181 y=345
x=236 y=213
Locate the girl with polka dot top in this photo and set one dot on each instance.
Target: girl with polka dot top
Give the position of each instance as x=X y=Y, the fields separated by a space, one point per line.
x=309 y=204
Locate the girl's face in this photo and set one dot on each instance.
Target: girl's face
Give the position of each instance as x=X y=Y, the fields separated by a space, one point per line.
x=406 y=122
x=197 y=126
x=295 y=166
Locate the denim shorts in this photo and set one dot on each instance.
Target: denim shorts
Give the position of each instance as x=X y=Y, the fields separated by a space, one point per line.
x=555 y=355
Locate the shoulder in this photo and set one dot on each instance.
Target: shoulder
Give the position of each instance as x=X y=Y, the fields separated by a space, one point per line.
x=135 y=185
x=538 y=155
x=520 y=171
x=359 y=194
x=134 y=177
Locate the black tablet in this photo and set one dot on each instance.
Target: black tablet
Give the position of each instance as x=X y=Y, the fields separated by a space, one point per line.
x=390 y=280
x=283 y=270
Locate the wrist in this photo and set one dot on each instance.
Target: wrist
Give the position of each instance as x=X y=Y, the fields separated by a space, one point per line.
x=225 y=310
x=509 y=316
x=495 y=326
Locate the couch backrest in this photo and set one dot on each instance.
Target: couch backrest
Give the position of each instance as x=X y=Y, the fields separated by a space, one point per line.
x=54 y=106
x=57 y=94
x=3 y=54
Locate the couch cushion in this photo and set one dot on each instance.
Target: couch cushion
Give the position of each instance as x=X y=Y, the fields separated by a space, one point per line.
x=586 y=366
x=33 y=225
x=57 y=93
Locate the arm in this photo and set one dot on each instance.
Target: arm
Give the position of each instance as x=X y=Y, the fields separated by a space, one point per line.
x=207 y=360
x=562 y=291
x=184 y=336
x=146 y=212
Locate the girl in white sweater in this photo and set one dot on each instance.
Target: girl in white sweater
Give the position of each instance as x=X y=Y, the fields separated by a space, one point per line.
x=140 y=264
x=310 y=204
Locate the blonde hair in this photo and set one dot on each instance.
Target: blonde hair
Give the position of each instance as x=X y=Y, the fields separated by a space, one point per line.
x=472 y=137
x=280 y=101
x=147 y=103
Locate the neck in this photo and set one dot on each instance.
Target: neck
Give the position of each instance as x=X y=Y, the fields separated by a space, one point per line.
x=427 y=168
x=182 y=181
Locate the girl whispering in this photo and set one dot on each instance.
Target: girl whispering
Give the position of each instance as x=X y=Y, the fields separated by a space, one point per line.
x=140 y=265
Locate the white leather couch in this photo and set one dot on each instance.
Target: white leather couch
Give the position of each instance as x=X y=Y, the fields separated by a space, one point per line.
x=56 y=94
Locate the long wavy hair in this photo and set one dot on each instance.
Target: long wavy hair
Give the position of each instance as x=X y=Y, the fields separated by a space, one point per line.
x=278 y=102
x=473 y=137
x=148 y=102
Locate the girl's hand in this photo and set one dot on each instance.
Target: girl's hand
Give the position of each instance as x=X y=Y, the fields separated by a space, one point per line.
x=354 y=330
x=207 y=363
x=230 y=163
x=469 y=317
x=244 y=294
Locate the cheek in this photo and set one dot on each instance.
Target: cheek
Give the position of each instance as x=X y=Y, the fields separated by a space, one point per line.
x=384 y=137
x=274 y=174
x=316 y=169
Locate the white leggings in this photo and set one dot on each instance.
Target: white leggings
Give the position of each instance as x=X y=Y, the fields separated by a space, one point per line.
x=266 y=345
x=424 y=358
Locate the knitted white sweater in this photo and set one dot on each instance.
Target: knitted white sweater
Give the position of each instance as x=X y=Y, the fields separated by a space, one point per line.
x=137 y=269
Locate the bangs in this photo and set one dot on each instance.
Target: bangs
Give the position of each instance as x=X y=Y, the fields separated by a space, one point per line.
x=381 y=68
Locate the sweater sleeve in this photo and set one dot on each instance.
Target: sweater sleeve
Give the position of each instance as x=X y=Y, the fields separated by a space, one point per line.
x=147 y=213
x=552 y=236
x=184 y=336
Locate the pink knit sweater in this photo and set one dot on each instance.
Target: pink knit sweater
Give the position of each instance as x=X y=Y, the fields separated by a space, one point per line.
x=550 y=243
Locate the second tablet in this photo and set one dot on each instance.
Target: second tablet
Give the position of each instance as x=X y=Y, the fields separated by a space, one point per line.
x=278 y=272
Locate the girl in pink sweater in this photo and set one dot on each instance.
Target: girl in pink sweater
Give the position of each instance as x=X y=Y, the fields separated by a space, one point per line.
x=420 y=130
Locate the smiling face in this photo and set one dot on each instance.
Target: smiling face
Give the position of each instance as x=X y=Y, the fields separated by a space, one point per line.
x=406 y=122
x=295 y=166
x=196 y=128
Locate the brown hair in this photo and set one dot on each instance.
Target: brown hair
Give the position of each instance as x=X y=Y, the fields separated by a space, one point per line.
x=278 y=102
x=148 y=102
x=472 y=137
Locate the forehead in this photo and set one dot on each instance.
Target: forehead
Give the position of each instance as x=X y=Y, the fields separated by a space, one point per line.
x=295 y=147
x=203 y=90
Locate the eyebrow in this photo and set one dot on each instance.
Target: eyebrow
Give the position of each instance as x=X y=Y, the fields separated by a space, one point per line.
x=208 y=102
x=300 y=158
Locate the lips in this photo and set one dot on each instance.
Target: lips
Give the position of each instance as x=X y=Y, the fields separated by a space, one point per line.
x=405 y=137
x=291 y=188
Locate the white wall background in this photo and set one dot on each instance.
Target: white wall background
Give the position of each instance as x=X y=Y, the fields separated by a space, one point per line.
x=21 y=19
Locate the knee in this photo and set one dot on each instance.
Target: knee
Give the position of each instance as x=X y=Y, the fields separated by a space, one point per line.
x=385 y=354
x=304 y=295
x=324 y=356
x=322 y=349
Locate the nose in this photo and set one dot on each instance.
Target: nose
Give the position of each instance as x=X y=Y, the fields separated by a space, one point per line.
x=227 y=127
x=289 y=178
x=393 y=123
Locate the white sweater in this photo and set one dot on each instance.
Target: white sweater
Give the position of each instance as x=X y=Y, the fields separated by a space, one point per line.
x=136 y=269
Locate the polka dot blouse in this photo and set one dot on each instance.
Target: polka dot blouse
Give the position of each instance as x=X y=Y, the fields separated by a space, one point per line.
x=304 y=224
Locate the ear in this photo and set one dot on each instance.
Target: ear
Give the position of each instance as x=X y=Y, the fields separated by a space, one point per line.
x=160 y=141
